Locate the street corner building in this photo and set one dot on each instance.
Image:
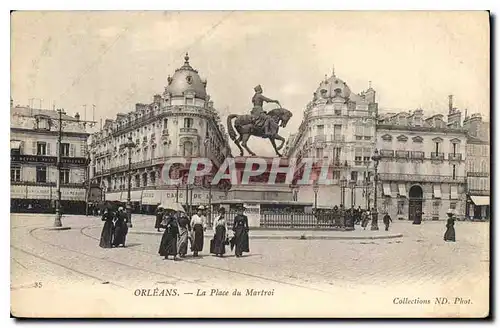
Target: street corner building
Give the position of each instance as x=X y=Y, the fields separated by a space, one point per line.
x=34 y=137
x=338 y=126
x=183 y=123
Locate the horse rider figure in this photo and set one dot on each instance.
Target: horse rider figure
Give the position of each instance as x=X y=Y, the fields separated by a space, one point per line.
x=262 y=119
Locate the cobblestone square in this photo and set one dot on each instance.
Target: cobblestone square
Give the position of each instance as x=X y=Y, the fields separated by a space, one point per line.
x=418 y=265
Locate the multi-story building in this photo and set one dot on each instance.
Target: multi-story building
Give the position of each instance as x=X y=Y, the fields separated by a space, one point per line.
x=338 y=126
x=478 y=167
x=423 y=164
x=180 y=123
x=33 y=171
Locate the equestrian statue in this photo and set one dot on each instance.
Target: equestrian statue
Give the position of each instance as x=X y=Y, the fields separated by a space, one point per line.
x=259 y=123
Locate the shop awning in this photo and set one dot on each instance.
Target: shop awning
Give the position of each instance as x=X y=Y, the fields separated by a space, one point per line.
x=402 y=190
x=151 y=197
x=480 y=200
x=454 y=192
x=114 y=196
x=437 y=191
x=15 y=144
x=387 y=190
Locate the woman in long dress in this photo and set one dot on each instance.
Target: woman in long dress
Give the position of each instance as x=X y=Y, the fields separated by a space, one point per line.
x=449 y=235
x=240 y=228
x=220 y=230
x=159 y=217
x=121 y=228
x=199 y=226
x=184 y=230
x=107 y=230
x=168 y=244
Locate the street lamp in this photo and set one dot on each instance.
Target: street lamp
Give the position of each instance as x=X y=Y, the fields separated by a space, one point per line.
x=57 y=220
x=315 y=189
x=352 y=185
x=343 y=184
x=130 y=144
x=376 y=159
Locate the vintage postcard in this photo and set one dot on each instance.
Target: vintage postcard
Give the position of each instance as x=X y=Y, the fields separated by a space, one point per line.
x=250 y=164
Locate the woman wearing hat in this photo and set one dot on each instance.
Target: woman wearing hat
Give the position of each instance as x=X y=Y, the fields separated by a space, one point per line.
x=159 y=217
x=220 y=231
x=121 y=228
x=168 y=244
x=198 y=225
x=184 y=230
x=449 y=235
x=240 y=228
x=106 y=240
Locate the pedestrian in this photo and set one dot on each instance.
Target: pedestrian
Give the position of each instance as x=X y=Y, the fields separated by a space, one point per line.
x=366 y=219
x=168 y=243
x=218 y=243
x=418 y=217
x=159 y=217
x=449 y=235
x=107 y=232
x=387 y=220
x=240 y=228
x=184 y=230
x=121 y=228
x=199 y=226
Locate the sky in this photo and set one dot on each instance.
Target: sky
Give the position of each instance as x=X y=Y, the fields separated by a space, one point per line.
x=115 y=59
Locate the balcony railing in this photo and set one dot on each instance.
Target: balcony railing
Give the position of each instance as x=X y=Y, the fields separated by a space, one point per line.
x=437 y=156
x=417 y=155
x=338 y=138
x=189 y=130
x=320 y=138
x=420 y=177
x=454 y=157
x=387 y=153
x=402 y=154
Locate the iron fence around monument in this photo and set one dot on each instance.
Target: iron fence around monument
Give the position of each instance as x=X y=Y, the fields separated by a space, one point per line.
x=299 y=221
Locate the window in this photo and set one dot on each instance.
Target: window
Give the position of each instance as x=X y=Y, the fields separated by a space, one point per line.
x=336 y=175
x=437 y=148
x=354 y=175
x=145 y=154
x=153 y=152
x=41 y=148
x=454 y=172
x=453 y=205
x=319 y=152
x=145 y=179
x=65 y=149
x=41 y=174
x=338 y=112
x=336 y=153
x=152 y=176
x=64 y=175
x=454 y=149
x=320 y=129
x=188 y=122
x=15 y=173
x=401 y=205
x=165 y=123
x=337 y=132
x=188 y=148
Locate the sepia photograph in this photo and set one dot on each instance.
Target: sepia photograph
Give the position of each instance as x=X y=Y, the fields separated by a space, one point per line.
x=250 y=164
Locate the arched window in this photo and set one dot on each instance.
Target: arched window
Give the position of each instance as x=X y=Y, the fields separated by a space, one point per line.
x=188 y=148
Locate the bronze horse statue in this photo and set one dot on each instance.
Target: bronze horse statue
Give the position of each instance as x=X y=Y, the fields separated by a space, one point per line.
x=247 y=126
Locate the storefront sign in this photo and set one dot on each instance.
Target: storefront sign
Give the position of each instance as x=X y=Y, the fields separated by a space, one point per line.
x=18 y=192
x=71 y=194
x=47 y=159
x=39 y=192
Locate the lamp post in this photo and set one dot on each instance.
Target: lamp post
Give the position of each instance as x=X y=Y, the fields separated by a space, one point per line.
x=57 y=220
x=376 y=158
x=315 y=189
x=352 y=186
x=130 y=144
x=343 y=183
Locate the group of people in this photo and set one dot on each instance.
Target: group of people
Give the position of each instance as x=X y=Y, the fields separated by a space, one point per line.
x=353 y=216
x=179 y=230
x=115 y=229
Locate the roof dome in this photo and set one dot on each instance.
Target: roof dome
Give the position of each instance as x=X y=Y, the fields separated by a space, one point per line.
x=333 y=87
x=186 y=79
